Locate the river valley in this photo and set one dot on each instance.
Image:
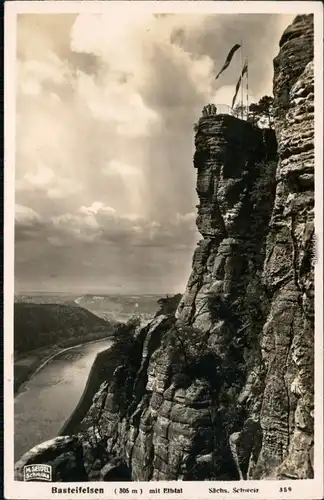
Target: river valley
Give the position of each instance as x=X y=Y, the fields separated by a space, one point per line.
x=45 y=402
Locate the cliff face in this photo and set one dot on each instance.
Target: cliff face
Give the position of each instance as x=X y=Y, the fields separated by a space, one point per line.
x=235 y=183
x=181 y=409
x=287 y=343
x=170 y=404
x=223 y=389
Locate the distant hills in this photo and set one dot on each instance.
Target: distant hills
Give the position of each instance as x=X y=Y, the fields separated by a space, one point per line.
x=120 y=307
x=111 y=307
x=40 y=325
x=42 y=320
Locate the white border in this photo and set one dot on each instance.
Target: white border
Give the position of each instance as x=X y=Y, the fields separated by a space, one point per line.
x=307 y=489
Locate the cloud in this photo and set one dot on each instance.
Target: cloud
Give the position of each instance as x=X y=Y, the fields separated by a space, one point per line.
x=100 y=223
x=127 y=170
x=75 y=223
x=97 y=207
x=114 y=94
x=105 y=114
x=25 y=215
x=119 y=105
x=44 y=179
x=28 y=224
x=98 y=244
x=130 y=181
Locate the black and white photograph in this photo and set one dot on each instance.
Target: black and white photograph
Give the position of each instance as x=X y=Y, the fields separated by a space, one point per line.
x=164 y=329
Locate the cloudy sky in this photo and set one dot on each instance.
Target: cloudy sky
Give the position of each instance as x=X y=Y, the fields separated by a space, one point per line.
x=105 y=186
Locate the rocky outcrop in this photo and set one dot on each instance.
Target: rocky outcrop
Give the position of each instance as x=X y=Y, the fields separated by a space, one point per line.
x=235 y=165
x=176 y=419
x=287 y=343
x=223 y=389
x=64 y=454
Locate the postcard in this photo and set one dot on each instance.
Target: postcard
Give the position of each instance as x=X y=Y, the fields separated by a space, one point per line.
x=163 y=243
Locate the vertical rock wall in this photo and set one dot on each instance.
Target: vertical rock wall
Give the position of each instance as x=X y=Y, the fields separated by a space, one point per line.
x=287 y=344
x=235 y=165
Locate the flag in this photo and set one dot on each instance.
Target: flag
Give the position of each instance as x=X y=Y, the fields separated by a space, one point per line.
x=229 y=58
x=236 y=90
x=244 y=70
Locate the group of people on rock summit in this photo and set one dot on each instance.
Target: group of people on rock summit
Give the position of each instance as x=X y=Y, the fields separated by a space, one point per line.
x=210 y=109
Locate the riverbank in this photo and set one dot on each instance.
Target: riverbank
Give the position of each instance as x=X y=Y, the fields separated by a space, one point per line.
x=34 y=361
x=51 y=395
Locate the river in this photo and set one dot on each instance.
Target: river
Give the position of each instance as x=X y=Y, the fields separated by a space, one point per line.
x=45 y=402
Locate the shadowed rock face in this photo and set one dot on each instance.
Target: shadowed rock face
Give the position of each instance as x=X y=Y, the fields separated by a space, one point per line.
x=287 y=343
x=296 y=51
x=64 y=454
x=235 y=184
x=249 y=297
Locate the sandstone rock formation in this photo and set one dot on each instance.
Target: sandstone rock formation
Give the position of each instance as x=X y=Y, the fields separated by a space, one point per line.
x=224 y=389
x=287 y=344
x=64 y=454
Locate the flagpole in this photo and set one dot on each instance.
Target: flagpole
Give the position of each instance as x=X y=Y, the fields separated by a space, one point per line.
x=247 y=89
x=242 y=65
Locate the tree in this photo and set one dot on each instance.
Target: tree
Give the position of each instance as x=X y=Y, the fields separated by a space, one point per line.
x=168 y=305
x=239 y=111
x=261 y=113
x=253 y=113
x=194 y=357
x=124 y=332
